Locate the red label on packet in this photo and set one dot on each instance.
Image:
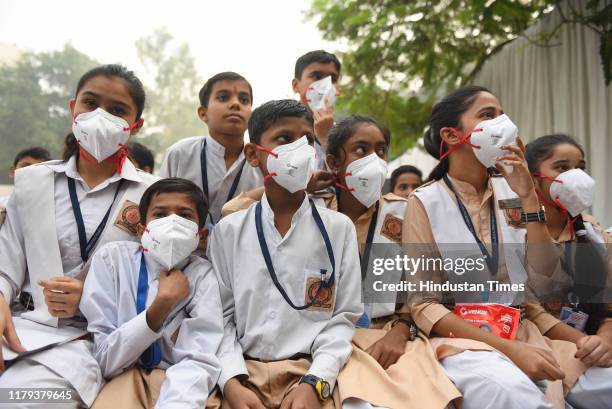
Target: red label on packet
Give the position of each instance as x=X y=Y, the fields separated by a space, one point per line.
x=497 y=319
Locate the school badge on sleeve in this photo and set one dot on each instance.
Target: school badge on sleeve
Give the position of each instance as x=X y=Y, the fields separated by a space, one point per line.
x=128 y=217
x=392 y=228
x=512 y=212
x=324 y=300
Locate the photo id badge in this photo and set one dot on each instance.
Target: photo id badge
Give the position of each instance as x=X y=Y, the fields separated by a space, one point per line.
x=573 y=318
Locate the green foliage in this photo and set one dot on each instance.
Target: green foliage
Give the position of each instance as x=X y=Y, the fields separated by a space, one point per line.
x=34 y=97
x=402 y=54
x=172 y=93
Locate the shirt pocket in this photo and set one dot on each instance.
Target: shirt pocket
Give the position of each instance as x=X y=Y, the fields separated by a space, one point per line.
x=325 y=297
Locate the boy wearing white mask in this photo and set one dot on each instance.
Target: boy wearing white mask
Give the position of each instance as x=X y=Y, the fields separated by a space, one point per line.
x=292 y=297
x=154 y=308
x=216 y=162
x=316 y=81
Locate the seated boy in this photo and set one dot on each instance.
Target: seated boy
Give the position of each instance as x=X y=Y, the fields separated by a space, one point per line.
x=289 y=276
x=216 y=162
x=154 y=308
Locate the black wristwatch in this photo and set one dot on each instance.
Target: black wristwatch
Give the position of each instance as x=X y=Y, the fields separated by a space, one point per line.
x=320 y=386
x=412 y=328
x=534 y=216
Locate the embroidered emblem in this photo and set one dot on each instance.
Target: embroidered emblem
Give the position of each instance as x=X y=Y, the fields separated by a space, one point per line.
x=325 y=299
x=512 y=212
x=392 y=228
x=128 y=217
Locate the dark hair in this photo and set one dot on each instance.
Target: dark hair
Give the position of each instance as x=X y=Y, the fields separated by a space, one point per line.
x=589 y=265
x=320 y=56
x=264 y=116
x=175 y=185
x=343 y=130
x=404 y=169
x=540 y=149
x=134 y=87
x=35 y=152
x=206 y=90
x=447 y=113
x=142 y=155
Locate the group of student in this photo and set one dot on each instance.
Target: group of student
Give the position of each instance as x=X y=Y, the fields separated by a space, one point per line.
x=235 y=280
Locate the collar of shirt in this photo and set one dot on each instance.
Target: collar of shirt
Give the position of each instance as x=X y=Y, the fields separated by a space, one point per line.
x=215 y=148
x=267 y=215
x=69 y=167
x=154 y=268
x=468 y=193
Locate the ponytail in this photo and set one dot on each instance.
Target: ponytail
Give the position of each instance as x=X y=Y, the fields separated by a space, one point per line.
x=71 y=147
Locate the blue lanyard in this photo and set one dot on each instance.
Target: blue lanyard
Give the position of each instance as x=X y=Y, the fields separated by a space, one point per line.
x=88 y=245
x=492 y=261
x=151 y=357
x=266 y=255
x=235 y=182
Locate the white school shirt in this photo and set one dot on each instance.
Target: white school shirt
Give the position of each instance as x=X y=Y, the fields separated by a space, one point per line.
x=183 y=161
x=93 y=202
x=121 y=335
x=259 y=323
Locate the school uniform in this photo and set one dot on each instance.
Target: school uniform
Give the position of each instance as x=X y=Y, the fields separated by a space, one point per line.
x=201 y=160
x=265 y=337
x=116 y=289
x=478 y=371
x=416 y=380
x=40 y=240
x=593 y=389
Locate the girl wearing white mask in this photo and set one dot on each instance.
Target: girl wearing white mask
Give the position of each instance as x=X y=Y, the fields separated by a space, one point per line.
x=566 y=191
x=154 y=308
x=465 y=205
x=389 y=355
x=60 y=212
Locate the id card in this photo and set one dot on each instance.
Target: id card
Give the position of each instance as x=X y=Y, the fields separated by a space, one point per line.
x=575 y=319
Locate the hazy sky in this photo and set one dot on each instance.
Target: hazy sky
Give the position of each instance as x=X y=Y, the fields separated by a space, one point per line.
x=260 y=39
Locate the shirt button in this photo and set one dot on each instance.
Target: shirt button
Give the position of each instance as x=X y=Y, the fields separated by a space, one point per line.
x=272 y=315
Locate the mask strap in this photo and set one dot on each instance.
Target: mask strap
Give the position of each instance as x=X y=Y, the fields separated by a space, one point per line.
x=83 y=153
x=269 y=152
x=464 y=139
x=120 y=156
x=269 y=176
x=557 y=203
x=542 y=176
x=342 y=186
x=131 y=127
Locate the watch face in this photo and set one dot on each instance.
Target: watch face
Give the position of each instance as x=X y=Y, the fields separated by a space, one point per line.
x=325 y=390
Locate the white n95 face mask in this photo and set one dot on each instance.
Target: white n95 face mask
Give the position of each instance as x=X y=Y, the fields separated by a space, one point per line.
x=365 y=178
x=170 y=240
x=574 y=190
x=292 y=165
x=101 y=134
x=320 y=90
x=490 y=135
